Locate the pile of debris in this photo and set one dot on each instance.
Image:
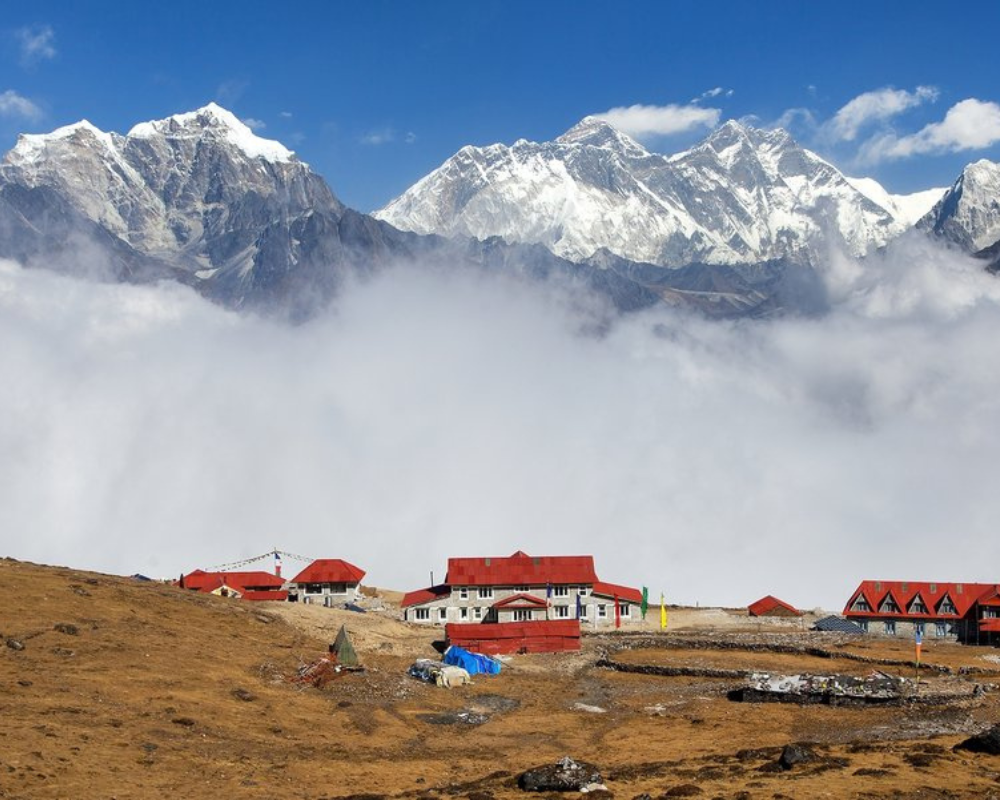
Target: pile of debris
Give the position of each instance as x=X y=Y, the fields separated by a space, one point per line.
x=878 y=688
x=437 y=673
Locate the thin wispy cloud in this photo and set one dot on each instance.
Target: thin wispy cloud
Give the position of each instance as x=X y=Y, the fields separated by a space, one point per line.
x=254 y=124
x=875 y=107
x=16 y=106
x=643 y=121
x=386 y=135
x=709 y=94
x=969 y=125
x=37 y=43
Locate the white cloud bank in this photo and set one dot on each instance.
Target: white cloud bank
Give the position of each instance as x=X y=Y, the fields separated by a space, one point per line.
x=969 y=125
x=641 y=121
x=876 y=106
x=436 y=413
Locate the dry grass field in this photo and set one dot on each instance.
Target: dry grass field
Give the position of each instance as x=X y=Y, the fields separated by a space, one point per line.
x=150 y=691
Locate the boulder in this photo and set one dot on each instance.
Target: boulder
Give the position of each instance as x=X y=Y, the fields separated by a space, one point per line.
x=986 y=742
x=793 y=754
x=566 y=775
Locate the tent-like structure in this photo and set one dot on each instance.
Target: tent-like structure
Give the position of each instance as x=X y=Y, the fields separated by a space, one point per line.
x=343 y=649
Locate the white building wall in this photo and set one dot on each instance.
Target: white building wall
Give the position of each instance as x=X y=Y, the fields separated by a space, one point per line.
x=468 y=604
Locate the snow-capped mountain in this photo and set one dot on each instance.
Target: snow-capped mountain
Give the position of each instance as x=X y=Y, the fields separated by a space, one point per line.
x=742 y=196
x=969 y=212
x=195 y=189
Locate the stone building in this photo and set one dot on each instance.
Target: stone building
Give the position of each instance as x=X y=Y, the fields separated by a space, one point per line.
x=968 y=612
x=523 y=588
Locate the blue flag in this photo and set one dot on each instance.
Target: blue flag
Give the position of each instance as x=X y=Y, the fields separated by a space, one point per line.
x=579 y=607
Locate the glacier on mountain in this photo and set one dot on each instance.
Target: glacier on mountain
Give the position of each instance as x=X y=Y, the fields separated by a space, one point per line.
x=742 y=196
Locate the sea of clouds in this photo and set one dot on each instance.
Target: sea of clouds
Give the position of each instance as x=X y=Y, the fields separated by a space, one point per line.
x=434 y=413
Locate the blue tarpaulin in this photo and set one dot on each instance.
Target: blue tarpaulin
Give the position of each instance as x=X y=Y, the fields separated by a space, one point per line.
x=473 y=663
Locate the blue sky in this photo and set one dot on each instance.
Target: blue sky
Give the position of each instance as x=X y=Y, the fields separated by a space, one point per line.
x=374 y=95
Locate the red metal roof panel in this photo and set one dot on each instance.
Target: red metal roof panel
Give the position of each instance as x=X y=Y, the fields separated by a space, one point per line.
x=625 y=593
x=330 y=570
x=421 y=596
x=520 y=569
x=768 y=604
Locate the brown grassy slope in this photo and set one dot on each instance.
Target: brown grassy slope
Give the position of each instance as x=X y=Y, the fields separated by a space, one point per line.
x=140 y=703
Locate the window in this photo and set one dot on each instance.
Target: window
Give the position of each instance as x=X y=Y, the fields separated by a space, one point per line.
x=562 y=612
x=940 y=628
x=560 y=591
x=602 y=611
x=314 y=588
x=478 y=613
x=421 y=613
x=485 y=592
x=890 y=628
x=861 y=604
x=946 y=606
x=626 y=610
x=463 y=592
x=863 y=624
x=522 y=615
x=584 y=590
x=463 y=613
x=442 y=614
x=522 y=589
x=917 y=606
x=918 y=628
x=889 y=605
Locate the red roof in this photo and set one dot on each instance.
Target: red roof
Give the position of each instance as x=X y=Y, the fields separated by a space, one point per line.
x=240 y=581
x=990 y=625
x=521 y=601
x=903 y=593
x=330 y=570
x=767 y=605
x=520 y=569
x=421 y=596
x=625 y=593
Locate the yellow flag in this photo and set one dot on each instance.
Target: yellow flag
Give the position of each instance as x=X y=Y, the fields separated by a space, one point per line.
x=663 y=613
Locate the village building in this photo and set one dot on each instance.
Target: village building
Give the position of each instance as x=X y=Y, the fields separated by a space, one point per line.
x=771 y=606
x=968 y=612
x=522 y=588
x=327 y=581
x=257 y=585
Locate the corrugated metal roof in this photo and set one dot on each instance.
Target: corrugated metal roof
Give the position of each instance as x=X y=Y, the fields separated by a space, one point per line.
x=625 y=593
x=427 y=595
x=768 y=604
x=241 y=581
x=520 y=569
x=521 y=601
x=962 y=595
x=837 y=625
x=330 y=570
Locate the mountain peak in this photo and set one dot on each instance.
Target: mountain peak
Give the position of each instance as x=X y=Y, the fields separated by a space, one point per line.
x=598 y=132
x=213 y=117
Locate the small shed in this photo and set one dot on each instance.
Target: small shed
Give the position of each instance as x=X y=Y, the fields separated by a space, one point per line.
x=771 y=606
x=551 y=636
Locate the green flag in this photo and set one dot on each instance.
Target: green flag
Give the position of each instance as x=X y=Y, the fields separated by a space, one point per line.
x=645 y=601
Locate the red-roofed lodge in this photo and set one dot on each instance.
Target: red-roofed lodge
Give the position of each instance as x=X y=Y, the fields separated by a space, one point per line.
x=521 y=588
x=969 y=612
x=257 y=585
x=327 y=581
